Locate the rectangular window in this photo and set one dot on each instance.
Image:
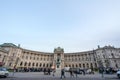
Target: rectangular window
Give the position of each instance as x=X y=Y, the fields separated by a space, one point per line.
x=22 y=56
x=26 y=57
x=37 y=58
x=30 y=57
x=13 y=54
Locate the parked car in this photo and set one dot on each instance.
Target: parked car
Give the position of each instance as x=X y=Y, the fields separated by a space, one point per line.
x=118 y=73
x=4 y=72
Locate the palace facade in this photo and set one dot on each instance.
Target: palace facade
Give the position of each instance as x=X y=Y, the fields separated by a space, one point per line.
x=12 y=56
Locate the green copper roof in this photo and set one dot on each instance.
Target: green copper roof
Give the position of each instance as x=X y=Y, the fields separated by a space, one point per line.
x=3 y=50
x=8 y=45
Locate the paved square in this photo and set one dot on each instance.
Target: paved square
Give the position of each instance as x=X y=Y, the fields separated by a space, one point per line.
x=41 y=76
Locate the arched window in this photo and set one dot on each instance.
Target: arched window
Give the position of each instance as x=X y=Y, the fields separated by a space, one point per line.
x=47 y=65
x=80 y=65
x=112 y=55
x=91 y=65
x=87 y=65
x=95 y=65
x=33 y=64
x=25 y=64
x=51 y=65
x=21 y=63
x=72 y=65
x=83 y=65
x=36 y=64
x=76 y=65
x=69 y=65
x=44 y=65
x=40 y=65
x=29 y=64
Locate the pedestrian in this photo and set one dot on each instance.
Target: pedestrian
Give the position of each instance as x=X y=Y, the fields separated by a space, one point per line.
x=62 y=73
x=48 y=71
x=54 y=72
x=44 y=71
x=71 y=73
x=84 y=72
x=76 y=72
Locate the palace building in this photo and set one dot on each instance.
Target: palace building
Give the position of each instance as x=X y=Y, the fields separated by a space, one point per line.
x=12 y=56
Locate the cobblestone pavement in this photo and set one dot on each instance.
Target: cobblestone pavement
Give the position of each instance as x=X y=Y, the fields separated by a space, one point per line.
x=47 y=78
x=41 y=76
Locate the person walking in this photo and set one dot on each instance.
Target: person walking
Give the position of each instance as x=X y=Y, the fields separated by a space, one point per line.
x=84 y=72
x=53 y=72
x=71 y=73
x=44 y=70
x=76 y=72
x=48 y=71
x=62 y=73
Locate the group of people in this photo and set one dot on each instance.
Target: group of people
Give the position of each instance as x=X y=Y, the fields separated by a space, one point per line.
x=71 y=73
x=47 y=71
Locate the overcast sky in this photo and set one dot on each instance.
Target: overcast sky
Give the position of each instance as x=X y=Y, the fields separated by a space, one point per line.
x=75 y=25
